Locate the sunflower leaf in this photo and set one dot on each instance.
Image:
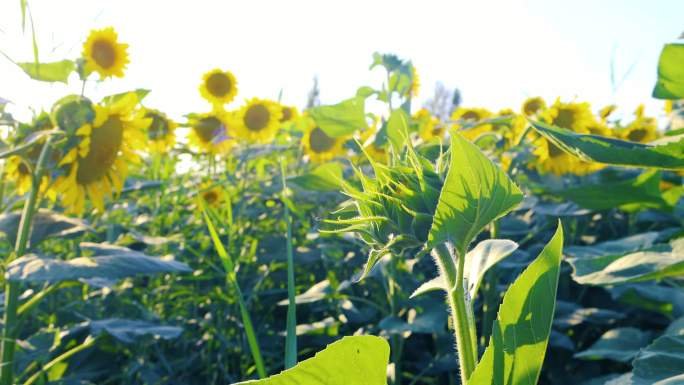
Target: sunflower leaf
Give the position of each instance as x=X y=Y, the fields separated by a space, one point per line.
x=595 y=148
x=355 y=360
x=326 y=177
x=46 y=224
x=341 y=119
x=49 y=72
x=475 y=193
x=126 y=331
x=397 y=129
x=670 y=83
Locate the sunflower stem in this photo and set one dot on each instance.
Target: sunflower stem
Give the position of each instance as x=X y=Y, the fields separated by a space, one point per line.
x=461 y=309
x=10 y=332
x=291 y=336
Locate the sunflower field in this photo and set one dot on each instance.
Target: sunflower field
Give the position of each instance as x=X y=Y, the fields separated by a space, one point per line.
x=262 y=243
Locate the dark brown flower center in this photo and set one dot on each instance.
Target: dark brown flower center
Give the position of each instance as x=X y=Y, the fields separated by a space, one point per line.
x=532 y=107
x=159 y=127
x=257 y=117
x=319 y=141
x=104 y=53
x=208 y=128
x=219 y=84
x=566 y=118
x=637 y=135
x=554 y=151
x=287 y=114
x=471 y=115
x=210 y=197
x=105 y=143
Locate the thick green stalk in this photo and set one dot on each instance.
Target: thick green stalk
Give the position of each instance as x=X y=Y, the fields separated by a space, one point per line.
x=464 y=325
x=291 y=336
x=9 y=331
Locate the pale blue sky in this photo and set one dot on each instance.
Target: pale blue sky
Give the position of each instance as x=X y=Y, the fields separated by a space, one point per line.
x=496 y=52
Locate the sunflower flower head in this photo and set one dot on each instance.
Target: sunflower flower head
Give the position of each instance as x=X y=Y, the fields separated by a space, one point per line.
x=258 y=121
x=319 y=146
x=642 y=129
x=97 y=166
x=573 y=116
x=533 y=106
x=212 y=132
x=466 y=120
x=429 y=127
x=161 y=134
x=218 y=87
x=212 y=195
x=104 y=54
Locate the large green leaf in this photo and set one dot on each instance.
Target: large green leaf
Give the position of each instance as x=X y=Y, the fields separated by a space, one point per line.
x=595 y=148
x=475 y=193
x=356 y=360
x=326 y=177
x=115 y=264
x=632 y=194
x=670 y=83
x=662 y=362
x=658 y=262
x=521 y=331
x=621 y=344
x=46 y=224
x=397 y=129
x=49 y=72
x=482 y=257
x=126 y=330
x=341 y=119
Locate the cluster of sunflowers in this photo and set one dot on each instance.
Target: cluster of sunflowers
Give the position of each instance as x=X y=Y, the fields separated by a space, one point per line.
x=99 y=141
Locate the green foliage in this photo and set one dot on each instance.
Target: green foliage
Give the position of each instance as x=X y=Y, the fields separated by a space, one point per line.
x=475 y=193
x=670 y=83
x=49 y=72
x=621 y=344
x=326 y=177
x=47 y=224
x=341 y=119
x=358 y=360
x=595 y=148
x=521 y=331
x=397 y=129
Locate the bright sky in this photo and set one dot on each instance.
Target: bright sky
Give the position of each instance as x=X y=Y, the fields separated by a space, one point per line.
x=497 y=52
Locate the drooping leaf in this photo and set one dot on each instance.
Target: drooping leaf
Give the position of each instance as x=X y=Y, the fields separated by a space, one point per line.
x=437 y=283
x=615 y=247
x=397 y=129
x=355 y=360
x=621 y=344
x=658 y=262
x=341 y=119
x=30 y=141
x=127 y=331
x=521 y=331
x=595 y=148
x=140 y=93
x=670 y=83
x=326 y=177
x=46 y=224
x=632 y=194
x=116 y=265
x=475 y=193
x=482 y=257
x=49 y=72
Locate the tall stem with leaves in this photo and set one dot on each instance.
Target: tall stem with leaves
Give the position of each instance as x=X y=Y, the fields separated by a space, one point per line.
x=291 y=336
x=10 y=332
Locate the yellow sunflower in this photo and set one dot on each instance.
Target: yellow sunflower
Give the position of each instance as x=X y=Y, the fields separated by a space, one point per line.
x=218 y=87
x=319 y=146
x=573 y=116
x=415 y=82
x=212 y=132
x=104 y=55
x=161 y=134
x=512 y=130
x=98 y=165
x=643 y=129
x=429 y=127
x=468 y=116
x=533 y=106
x=550 y=158
x=258 y=121
x=212 y=195
x=18 y=171
x=289 y=114
x=606 y=111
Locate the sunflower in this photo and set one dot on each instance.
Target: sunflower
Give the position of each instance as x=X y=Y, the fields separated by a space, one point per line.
x=429 y=127
x=18 y=171
x=218 y=87
x=470 y=116
x=551 y=158
x=643 y=129
x=511 y=130
x=606 y=111
x=211 y=132
x=533 y=106
x=104 y=55
x=161 y=134
x=415 y=82
x=289 y=114
x=573 y=116
x=212 y=195
x=258 y=121
x=319 y=146
x=98 y=164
